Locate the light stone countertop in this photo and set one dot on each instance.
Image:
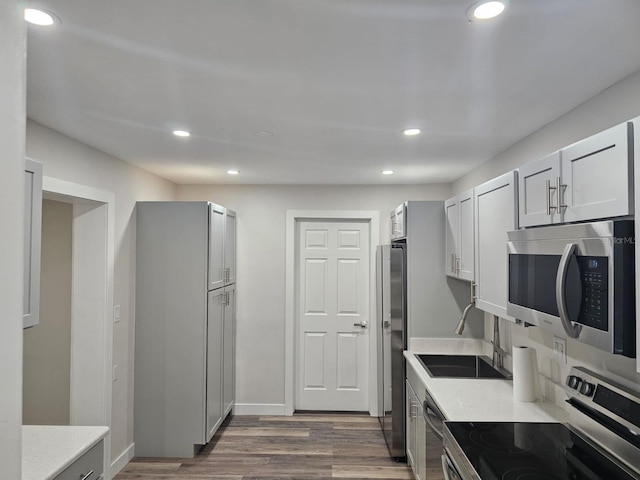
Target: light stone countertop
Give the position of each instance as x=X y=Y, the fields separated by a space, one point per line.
x=484 y=399
x=48 y=449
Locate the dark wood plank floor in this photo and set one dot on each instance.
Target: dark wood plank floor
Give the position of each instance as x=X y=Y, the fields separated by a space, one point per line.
x=309 y=446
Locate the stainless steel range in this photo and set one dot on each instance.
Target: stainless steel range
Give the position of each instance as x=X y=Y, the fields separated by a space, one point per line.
x=602 y=440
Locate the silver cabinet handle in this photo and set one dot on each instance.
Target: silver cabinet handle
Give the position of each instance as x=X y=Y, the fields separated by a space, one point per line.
x=453 y=262
x=457 y=264
x=86 y=475
x=549 y=189
x=362 y=324
x=572 y=330
x=560 y=189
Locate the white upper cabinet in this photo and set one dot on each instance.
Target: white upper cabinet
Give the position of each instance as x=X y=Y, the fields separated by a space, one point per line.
x=588 y=180
x=32 y=242
x=217 y=273
x=538 y=192
x=459 y=258
x=495 y=215
x=222 y=246
x=230 y=246
x=398 y=222
x=597 y=174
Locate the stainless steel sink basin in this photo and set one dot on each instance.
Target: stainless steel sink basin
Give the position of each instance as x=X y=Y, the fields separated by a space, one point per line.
x=461 y=366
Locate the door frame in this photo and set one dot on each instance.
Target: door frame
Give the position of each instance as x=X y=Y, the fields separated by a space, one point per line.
x=91 y=361
x=290 y=330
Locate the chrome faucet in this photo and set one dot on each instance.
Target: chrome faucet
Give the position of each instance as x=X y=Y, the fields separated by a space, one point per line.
x=460 y=327
x=498 y=353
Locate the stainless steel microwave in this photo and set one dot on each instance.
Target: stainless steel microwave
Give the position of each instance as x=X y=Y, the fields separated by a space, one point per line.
x=576 y=280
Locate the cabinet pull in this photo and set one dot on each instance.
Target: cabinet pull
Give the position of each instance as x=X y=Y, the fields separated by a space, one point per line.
x=86 y=475
x=453 y=262
x=457 y=264
x=560 y=189
x=549 y=189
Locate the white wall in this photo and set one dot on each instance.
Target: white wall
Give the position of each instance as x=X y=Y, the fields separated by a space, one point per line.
x=12 y=128
x=261 y=264
x=614 y=105
x=47 y=348
x=69 y=160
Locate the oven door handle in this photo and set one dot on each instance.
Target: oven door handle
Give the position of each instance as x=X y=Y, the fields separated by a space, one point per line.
x=446 y=467
x=561 y=279
x=427 y=419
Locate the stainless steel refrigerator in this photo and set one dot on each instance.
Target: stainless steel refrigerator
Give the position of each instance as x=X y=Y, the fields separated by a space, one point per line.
x=392 y=333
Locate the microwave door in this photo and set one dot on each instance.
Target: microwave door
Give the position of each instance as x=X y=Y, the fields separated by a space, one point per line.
x=569 y=290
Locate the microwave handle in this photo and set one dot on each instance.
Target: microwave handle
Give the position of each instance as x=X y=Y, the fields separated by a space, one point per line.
x=561 y=278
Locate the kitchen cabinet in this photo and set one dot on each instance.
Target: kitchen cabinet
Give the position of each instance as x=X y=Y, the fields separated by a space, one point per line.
x=184 y=330
x=459 y=258
x=496 y=214
x=398 y=222
x=588 y=180
x=88 y=467
x=32 y=242
x=222 y=246
x=416 y=427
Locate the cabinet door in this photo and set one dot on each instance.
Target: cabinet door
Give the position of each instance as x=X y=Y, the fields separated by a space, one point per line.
x=230 y=246
x=411 y=426
x=452 y=228
x=538 y=192
x=215 y=315
x=229 y=350
x=598 y=174
x=465 y=260
x=216 y=246
x=496 y=214
x=32 y=240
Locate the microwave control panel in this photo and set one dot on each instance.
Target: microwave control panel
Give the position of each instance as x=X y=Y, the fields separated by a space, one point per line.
x=595 y=291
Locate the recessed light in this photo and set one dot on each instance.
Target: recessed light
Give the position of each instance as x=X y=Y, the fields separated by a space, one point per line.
x=181 y=133
x=411 y=131
x=38 y=17
x=485 y=10
x=387 y=172
x=233 y=172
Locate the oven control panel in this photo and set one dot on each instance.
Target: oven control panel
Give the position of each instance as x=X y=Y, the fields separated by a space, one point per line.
x=587 y=389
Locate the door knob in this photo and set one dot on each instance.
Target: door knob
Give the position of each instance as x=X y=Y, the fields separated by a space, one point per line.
x=362 y=324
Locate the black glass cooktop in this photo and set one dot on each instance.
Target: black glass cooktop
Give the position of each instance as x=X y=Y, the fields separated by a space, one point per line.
x=531 y=451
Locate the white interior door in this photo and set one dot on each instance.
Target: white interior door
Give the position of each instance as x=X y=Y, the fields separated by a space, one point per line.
x=333 y=316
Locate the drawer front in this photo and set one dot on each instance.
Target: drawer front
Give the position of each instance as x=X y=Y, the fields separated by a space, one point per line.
x=79 y=470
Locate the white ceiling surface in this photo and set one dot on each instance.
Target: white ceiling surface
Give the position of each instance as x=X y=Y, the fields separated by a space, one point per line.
x=335 y=81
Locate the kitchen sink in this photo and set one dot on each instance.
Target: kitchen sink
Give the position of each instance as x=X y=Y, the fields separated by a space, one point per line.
x=461 y=366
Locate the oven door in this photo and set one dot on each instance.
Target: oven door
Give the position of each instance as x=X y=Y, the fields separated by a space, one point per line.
x=564 y=286
x=448 y=470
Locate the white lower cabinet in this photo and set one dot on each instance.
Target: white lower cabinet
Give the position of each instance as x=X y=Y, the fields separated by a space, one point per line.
x=416 y=431
x=495 y=215
x=88 y=467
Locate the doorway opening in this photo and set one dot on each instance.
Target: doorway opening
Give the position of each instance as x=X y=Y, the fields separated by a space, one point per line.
x=77 y=301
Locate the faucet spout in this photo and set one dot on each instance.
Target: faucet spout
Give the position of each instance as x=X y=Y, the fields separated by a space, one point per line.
x=460 y=328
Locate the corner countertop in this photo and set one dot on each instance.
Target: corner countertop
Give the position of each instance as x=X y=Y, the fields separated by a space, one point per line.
x=48 y=449
x=489 y=400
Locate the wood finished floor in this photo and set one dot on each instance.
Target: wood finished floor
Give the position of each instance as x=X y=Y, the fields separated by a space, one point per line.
x=309 y=446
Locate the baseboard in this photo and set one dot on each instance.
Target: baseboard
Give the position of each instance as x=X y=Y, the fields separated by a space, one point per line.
x=258 y=409
x=122 y=460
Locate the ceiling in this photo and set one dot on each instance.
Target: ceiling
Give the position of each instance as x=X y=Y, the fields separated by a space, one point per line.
x=334 y=82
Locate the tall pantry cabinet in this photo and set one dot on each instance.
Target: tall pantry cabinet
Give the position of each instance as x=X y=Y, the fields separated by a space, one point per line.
x=185 y=325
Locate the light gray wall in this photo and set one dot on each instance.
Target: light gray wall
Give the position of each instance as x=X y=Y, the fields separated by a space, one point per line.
x=69 y=160
x=614 y=105
x=47 y=347
x=261 y=264
x=12 y=128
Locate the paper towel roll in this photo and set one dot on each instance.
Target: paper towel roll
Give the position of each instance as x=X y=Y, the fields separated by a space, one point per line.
x=524 y=380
